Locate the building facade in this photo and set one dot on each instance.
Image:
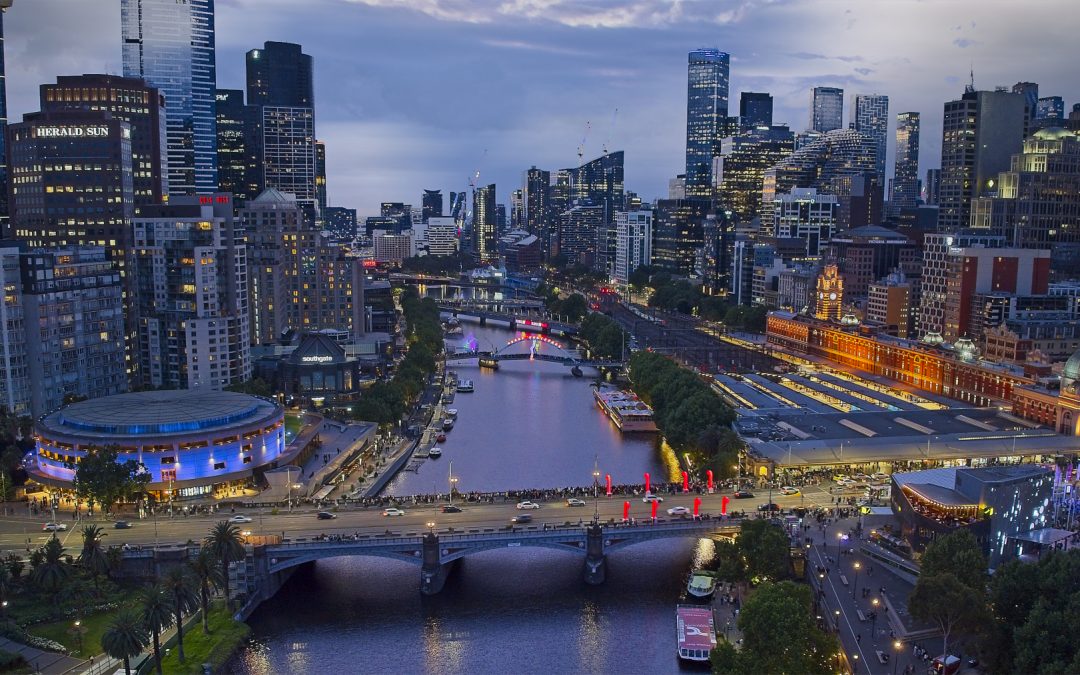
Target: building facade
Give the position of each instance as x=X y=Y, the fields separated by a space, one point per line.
x=239 y=139
x=741 y=167
x=706 y=116
x=678 y=233
x=804 y=214
x=905 y=184
x=870 y=113
x=827 y=109
x=889 y=305
x=633 y=232
x=755 y=109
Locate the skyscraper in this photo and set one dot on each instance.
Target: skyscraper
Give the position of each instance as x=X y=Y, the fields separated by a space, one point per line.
x=280 y=74
x=706 y=116
x=871 y=114
x=600 y=183
x=678 y=233
x=827 y=109
x=755 y=109
x=4 y=5
x=743 y=160
x=129 y=99
x=431 y=204
x=905 y=185
x=484 y=230
x=320 y=175
x=981 y=132
x=239 y=142
x=170 y=44
x=1050 y=111
x=537 y=203
x=932 y=187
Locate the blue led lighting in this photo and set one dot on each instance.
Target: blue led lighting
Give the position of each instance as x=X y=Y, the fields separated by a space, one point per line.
x=159 y=428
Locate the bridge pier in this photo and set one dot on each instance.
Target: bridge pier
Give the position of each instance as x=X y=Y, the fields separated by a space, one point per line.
x=434 y=571
x=595 y=559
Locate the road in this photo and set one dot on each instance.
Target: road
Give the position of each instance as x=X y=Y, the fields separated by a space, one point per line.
x=15 y=530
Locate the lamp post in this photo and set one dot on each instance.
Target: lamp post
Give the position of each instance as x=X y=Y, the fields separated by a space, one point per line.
x=596 y=488
x=453 y=482
x=839 y=538
x=897 y=646
x=873 y=616
x=855 y=586
x=77 y=630
x=55 y=501
x=431 y=527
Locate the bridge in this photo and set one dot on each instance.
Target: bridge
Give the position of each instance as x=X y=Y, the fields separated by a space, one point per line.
x=505 y=353
x=266 y=568
x=514 y=317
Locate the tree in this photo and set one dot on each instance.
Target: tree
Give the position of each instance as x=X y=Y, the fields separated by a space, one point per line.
x=102 y=478
x=728 y=561
x=51 y=571
x=256 y=387
x=125 y=637
x=225 y=543
x=177 y=584
x=207 y=572
x=948 y=603
x=765 y=548
x=639 y=278
x=723 y=658
x=156 y=616
x=93 y=558
x=959 y=554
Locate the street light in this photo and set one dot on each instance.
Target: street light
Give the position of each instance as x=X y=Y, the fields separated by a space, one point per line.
x=897 y=645
x=873 y=616
x=855 y=586
x=453 y=482
x=596 y=488
x=431 y=527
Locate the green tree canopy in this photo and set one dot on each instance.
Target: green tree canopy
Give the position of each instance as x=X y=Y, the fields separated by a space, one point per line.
x=945 y=601
x=957 y=553
x=765 y=549
x=101 y=478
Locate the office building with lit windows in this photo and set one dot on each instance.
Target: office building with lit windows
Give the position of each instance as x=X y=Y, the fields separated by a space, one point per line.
x=633 y=248
x=485 y=240
x=827 y=109
x=744 y=158
x=706 y=117
x=678 y=234
x=905 y=184
x=870 y=114
x=805 y=215
x=239 y=134
x=170 y=45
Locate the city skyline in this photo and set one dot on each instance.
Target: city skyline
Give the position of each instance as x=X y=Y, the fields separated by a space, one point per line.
x=394 y=126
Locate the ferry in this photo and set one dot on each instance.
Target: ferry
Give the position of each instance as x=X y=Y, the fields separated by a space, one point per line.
x=696 y=632
x=488 y=362
x=435 y=452
x=465 y=386
x=702 y=584
x=625 y=409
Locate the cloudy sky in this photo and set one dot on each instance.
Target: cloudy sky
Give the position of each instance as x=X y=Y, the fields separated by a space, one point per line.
x=414 y=94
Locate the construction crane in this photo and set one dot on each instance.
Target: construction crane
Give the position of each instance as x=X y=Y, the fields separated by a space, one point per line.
x=611 y=130
x=584 y=137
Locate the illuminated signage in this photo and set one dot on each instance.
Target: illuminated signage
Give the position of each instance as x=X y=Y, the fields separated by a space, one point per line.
x=72 y=132
x=316 y=359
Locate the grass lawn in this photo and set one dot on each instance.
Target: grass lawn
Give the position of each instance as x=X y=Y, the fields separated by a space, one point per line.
x=293 y=424
x=93 y=626
x=216 y=648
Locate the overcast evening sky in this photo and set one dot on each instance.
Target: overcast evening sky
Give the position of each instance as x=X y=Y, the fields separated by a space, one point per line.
x=414 y=94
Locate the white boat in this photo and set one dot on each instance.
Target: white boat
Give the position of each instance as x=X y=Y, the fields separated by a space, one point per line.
x=696 y=632
x=447 y=424
x=702 y=584
x=451 y=412
x=465 y=386
x=625 y=409
x=435 y=452
x=453 y=331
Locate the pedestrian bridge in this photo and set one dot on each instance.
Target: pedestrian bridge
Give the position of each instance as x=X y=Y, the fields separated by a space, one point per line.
x=536 y=342
x=267 y=567
x=511 y=315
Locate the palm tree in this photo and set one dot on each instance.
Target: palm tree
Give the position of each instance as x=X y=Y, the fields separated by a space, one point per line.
x=125 y=637
x=178 y=585
x=207 y=571
x=157 y=616
x=51 y=573
x=93 y=557
x=225 y=543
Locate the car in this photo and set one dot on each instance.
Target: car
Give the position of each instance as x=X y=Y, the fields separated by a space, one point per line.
x=240 y=519
x=122 y=525
x=846 y=483
x=650 y=497
x=54 y=527
x=528 y=505
x=393 y=511
x=325 y=515
x=523 y=518
x=879 y=477
x=451 y=508
x=678 y=511
x=788 y=490
x=743 y=494
x=769 y=506
x=574 y=501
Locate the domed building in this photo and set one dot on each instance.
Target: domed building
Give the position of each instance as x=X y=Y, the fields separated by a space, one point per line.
x=1068 y=403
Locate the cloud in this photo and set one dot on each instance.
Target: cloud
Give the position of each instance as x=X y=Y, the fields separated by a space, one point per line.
x=535 y=47
x=964 y=43
x=864 y=71
x=811 y=56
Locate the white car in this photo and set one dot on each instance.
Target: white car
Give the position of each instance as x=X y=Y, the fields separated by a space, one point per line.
x=574 y=501
x=678 y=511
x=54 y=527
x=788 y=490
x=846 y=483
x=392 y=511
x=652 y=498
x=528 y=505
x=240 y=519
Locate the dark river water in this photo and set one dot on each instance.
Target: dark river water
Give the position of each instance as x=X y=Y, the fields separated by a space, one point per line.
x=529 y=424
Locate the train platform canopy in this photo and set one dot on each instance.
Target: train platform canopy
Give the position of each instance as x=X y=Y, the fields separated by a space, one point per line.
x=834 y=439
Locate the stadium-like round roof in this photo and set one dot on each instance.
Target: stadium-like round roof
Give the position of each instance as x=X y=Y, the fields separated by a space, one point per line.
x=160 y=412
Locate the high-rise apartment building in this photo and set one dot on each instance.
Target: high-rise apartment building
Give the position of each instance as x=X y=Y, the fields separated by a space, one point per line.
x=191 y=294
x=170 y=45
x=706 y=117
x=599 y=182
x=579 y=228
x=755 y=109
x=129 y=99
x=827 y=109
x=431 y=204
x=485 y=240
x=678 y=233
x=870 y=113
x=633 y=248
x=981 y=132
x=905 y=183
x=4 y=5
x=239 y=134
x=971 y=271
x=440 y=236
x=744 y=158
x=932 y=187
x=266 y=221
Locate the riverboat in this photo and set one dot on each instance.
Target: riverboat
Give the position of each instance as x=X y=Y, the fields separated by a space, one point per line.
x=488 y=362
x=465 y=386
x=702 y=584
x=696 y=632
x=453 y=331
x=625 y=409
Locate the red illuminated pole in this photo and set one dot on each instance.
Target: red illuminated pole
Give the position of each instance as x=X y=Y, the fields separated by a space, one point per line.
x=697 y=506
x=607 y=478
x=685 y=482
x=646 y=483
x=626 y=511
x=723 y=505
x=654 y=505
x=708 y=474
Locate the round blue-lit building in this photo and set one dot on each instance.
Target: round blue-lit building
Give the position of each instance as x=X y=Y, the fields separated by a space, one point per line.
x=191 y=442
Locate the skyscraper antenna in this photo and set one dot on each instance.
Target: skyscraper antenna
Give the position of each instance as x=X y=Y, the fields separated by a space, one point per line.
x=971 y=86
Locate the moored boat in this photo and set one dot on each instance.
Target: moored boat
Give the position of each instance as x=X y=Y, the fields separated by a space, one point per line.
x=447 y=424
x=451 y=413
x=696 y=632
x=435 y=452
x=702 y=584
x=465 y=386
x=625 y=409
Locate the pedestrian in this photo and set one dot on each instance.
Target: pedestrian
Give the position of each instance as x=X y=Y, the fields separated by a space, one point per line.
x=858 y=637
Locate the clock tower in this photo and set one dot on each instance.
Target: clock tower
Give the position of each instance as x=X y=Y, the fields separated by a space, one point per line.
x=830 y=294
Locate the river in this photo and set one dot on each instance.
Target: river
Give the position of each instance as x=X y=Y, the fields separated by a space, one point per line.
x=529 y=424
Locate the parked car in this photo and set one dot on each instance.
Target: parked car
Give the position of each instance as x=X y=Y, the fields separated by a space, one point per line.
x=54 y=527
x=528 y=505
x=650 y=497
x=238 y=518
x=522 y=518
x=393 y=511
x=122 y=525
x=574 y=501
x=788 y=490
x=743 y=494
x=678 y=511
x=451 y=508
x=325 y=515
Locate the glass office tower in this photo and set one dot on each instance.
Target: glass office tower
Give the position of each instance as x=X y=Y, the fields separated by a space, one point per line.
x=706 y=116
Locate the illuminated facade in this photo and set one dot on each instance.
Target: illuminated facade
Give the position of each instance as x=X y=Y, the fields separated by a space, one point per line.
x=485 y=239
x=806 y=215
x=743 y=160
x=870 y=113
x=706 y=117
x=188 y=441
x=678 y=233
x=536 y=199
x=934 y=369
x=829 y=294
x=905 y=184
x=238 y=137
x=170 y=44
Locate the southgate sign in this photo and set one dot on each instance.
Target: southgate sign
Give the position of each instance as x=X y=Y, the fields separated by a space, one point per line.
x=72 y=132
x=316 y=359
